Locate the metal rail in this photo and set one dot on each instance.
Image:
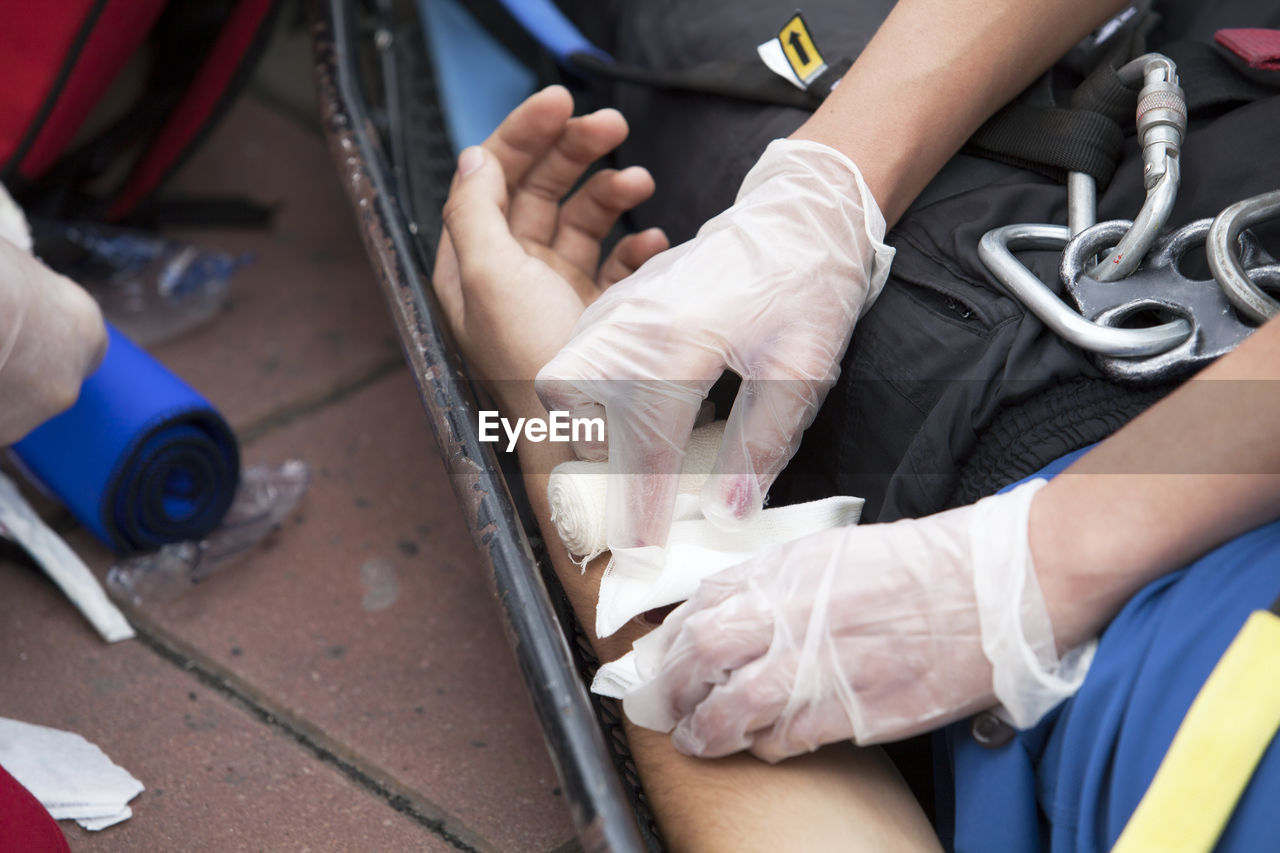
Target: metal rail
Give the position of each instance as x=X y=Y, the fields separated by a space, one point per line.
x=599 y=808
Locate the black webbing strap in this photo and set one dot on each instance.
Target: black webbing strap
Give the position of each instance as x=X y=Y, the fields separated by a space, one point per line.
x=1055 y=140
x=1038 y=134
x=1052 y=141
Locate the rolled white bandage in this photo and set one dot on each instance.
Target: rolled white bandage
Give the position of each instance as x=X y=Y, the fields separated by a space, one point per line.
x=577 y=493
x=640 y=579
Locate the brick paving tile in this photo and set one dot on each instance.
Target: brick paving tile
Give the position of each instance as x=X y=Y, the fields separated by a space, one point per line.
x=367 y=619
x=217 y=778
x=306 y=316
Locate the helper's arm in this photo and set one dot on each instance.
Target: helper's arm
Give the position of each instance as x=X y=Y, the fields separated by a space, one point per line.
x=933 y=73
x=1193 y=471
x=806 y=225
x=885 y=630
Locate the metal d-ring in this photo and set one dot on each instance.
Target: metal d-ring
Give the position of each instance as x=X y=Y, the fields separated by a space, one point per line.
x=1160 y=286
x=1229 y=270
x=995 y=251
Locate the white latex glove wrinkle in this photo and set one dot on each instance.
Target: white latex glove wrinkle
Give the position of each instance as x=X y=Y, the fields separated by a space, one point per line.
x=769 y=289
x=873 y=633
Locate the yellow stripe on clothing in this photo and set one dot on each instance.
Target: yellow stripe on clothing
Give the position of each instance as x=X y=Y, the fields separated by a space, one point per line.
x=1213 y=755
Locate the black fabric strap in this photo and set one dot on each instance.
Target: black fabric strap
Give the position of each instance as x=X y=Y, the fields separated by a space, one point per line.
x=1033 y=136
x=1103 y=93
x=1052 y=141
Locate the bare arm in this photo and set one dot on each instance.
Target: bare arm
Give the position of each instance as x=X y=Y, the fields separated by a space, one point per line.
x=933 y=73
x=1196 y=469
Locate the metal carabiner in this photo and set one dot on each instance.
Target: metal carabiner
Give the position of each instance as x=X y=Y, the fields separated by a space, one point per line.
x=995 y=251
x=1229 y=270
x=1162 y=123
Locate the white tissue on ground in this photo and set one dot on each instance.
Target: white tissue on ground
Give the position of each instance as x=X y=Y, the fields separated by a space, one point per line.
x=21 y=524
x=71 y=777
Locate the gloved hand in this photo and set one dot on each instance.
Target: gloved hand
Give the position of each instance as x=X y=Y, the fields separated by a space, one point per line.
x=769 y=289
x=51 y=338
x=872 y=633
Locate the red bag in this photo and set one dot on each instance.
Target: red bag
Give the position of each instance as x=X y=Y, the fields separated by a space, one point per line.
x=58 y=58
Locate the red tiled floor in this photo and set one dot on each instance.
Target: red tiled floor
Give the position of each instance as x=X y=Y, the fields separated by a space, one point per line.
x=217 y=778
x=306 y=316
x=392 y=643
x=367 y=618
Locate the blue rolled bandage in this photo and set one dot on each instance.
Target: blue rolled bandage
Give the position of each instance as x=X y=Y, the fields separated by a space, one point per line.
x=141 y=459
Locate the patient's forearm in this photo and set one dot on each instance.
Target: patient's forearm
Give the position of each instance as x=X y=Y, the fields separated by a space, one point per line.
x=933 y=73
x=839 y=798
x=1196 y=469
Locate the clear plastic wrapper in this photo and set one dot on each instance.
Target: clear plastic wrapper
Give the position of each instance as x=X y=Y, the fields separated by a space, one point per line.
x=266 y=497
x=152 y=288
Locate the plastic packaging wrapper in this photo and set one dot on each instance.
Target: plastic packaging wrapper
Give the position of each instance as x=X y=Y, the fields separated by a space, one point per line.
x=151 y=288
x=266 y=497
x=141 y=459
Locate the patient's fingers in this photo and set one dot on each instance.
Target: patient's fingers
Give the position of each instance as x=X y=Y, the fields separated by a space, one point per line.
x=535 y=200
x=630 y=254
x=585 y=219
x=475 y=219
x=529 y=132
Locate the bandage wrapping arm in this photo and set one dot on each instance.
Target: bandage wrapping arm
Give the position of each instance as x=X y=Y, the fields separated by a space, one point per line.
x=578 y=492
x=141 y=459
x=873 y=633
x=770 y=290
x=640 y=579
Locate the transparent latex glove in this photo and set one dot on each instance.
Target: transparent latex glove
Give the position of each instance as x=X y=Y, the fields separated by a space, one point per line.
x=873 y=633
x=51 y=338
x=770 y=290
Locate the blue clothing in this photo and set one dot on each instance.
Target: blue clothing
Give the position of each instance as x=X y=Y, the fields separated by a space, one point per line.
x=1071 y=782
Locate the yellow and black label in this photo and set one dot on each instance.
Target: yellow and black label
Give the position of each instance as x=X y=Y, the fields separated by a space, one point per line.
x=800 y=50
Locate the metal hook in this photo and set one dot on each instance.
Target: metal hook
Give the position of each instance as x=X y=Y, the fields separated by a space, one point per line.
x=1228 y=269
x=1162 y=122
x=1160 y=286
x=995 y=251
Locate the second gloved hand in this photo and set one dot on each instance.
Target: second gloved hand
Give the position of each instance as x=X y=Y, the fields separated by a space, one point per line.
x=51 y=338
x=872 y=633
x=770 y=290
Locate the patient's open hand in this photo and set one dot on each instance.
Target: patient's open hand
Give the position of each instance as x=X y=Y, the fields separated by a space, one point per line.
x=516 y=267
